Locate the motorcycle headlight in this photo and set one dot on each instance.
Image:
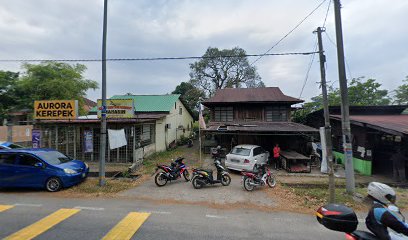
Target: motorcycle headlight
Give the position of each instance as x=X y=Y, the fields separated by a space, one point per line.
x=69 y=171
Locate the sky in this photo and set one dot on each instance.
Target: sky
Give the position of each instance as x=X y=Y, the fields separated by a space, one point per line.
x=374 y=32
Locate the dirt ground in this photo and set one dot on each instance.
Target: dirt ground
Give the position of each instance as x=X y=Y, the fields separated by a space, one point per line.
x=281 y=198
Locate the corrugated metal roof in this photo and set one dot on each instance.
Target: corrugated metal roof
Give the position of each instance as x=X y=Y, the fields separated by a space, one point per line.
x=398 y=123
x=150 y=103
x=256 y=95
x=260 y=127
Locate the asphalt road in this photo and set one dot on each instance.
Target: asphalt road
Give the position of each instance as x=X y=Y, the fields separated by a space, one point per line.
x=97 y=217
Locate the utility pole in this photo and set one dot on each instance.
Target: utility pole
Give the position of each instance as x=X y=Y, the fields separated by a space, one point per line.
x=327 y=127
x=103 y=107
x=345 y=118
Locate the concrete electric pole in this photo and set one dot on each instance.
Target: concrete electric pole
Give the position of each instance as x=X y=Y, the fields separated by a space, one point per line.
x=103 y=107
x=327 y=127
x=345 y=118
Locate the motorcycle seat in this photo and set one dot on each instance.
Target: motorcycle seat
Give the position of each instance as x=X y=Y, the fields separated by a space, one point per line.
x=364 y=235
x=209 y=171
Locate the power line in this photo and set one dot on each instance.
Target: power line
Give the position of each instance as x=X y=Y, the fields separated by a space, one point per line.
x=293 y=29
x=345 y=58
x=156 y=59
x=312 y=58
x=327 y=13
x=308 y=71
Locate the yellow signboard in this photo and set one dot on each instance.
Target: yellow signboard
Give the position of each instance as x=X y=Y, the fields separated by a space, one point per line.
x=56 y=109
x=117 y=108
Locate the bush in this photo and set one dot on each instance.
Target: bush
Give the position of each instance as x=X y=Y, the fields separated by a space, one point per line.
x=182 y=141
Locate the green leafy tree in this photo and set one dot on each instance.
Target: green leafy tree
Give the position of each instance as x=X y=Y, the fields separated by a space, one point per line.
x=401 y=94
x=227 y=68
x=360 y=93
x=53 y=81
x=190 y=94
x=8 y=82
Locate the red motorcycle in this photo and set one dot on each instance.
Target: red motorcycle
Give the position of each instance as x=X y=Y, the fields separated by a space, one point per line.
x=173 y=172
x=261 y=176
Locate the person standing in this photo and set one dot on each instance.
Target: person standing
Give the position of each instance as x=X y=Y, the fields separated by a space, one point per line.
x=398 y=162
x=276 y=157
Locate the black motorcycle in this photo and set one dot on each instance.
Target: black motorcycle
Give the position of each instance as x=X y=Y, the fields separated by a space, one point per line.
x=173 y=172
x=202 y=177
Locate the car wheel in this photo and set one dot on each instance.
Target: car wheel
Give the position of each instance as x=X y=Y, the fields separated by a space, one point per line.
x=53 y=184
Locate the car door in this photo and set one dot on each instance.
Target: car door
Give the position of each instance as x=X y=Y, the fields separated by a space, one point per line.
x=256 y=154
x=27 y=174
x=263 y=156
x=7 y=168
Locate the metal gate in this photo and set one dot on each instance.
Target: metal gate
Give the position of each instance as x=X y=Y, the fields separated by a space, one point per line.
x=70 y=140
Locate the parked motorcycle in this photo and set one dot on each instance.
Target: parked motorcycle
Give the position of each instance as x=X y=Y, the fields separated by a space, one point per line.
x=170 y=173
x=340 y=218
x=202 y=177
x=261 y=176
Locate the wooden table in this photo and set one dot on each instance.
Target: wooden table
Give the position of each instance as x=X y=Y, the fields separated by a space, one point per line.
x=291 y=158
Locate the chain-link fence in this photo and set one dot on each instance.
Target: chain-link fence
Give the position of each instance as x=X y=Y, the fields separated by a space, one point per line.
x=83 y=141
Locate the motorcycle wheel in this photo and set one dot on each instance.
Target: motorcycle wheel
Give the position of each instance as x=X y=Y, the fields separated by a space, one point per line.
x=247 y=184
x=186 y=175
x=271 y=181
x=160 y=179
x=225 y=180
x=195 y=183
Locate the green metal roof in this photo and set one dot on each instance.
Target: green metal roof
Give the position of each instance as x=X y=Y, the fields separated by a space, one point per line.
x=151 y=103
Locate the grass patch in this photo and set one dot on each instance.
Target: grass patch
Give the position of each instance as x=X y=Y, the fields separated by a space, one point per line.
x=110 y=167
x=90 y=187
x=316 y=196
x=150 y=163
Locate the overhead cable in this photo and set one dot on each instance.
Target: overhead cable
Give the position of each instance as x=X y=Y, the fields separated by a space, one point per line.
x=155 y=59
x=293 y=29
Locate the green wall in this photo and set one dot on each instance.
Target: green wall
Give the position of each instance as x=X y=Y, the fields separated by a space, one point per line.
x=362 y=166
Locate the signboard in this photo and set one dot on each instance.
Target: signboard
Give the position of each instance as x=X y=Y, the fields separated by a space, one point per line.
x=56 y=109
x=36 y=138
x=88 y=141
x=117 y=108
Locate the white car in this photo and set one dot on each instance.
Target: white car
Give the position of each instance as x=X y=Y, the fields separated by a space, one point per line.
x=242 y=157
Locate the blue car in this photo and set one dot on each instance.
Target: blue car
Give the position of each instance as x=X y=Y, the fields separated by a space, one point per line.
x=40 y=168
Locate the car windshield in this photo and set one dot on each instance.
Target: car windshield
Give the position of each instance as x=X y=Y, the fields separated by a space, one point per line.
x=53 y=157
x=13 y=146
x=241 y=151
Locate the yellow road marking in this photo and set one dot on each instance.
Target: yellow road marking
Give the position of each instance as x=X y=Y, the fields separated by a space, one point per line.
x=126 y=228
x=5 y=207
x=43 y=225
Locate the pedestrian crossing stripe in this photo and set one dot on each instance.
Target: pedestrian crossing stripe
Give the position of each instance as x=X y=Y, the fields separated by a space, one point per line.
x=127 y=227
x=5 y=207
x=43 y=225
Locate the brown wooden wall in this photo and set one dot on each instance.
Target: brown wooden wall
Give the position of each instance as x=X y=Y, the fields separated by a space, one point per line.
x=251 y=112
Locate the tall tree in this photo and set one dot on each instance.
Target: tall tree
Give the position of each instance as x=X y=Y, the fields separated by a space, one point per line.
x=227 y=68
x=190 y=94
x=401 y=94
x=360 y=92
x=52 y=81
x=8 y=82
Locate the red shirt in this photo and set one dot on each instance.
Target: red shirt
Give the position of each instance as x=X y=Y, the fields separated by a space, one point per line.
x=276 y=152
